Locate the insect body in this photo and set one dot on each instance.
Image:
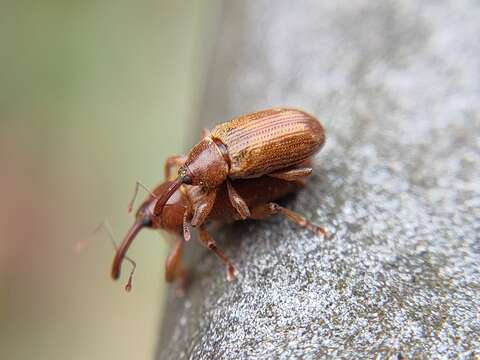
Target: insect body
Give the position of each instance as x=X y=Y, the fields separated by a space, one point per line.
x=259 y=194
x=270 y=142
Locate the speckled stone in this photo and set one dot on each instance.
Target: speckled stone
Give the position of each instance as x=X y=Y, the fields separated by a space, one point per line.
x=397 y=86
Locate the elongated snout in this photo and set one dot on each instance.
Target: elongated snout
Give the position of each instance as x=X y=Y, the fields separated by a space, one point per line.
x=122 y=250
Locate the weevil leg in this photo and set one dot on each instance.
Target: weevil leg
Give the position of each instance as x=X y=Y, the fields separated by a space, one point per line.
x=174 y=269
x=264 y=211
x=203 y=207
x=204 y=133
x=209 y=242
x=295 y=174
x=171 y=163
x=238 y=203
x=186 y=226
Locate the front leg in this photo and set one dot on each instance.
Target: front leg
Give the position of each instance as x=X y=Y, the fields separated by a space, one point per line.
x=203 y=206
x=238 y=203
x=185 y=226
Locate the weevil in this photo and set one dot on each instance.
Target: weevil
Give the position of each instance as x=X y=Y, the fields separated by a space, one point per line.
x=270 y=143
x=259 y=195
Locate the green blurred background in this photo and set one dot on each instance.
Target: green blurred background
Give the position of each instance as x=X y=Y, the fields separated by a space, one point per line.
x=93 y=96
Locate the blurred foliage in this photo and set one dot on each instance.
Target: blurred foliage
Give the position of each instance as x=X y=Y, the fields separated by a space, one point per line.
x=93 y=96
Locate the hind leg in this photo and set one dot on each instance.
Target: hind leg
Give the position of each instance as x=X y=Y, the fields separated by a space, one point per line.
x=299 y=174
x=267 y=210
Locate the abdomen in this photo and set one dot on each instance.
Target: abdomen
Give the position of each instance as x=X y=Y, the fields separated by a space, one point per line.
x=269 y=140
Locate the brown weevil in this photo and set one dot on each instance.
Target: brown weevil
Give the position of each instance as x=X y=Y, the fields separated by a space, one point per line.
x=234 y=173
x=259 y=194
x=269 y=142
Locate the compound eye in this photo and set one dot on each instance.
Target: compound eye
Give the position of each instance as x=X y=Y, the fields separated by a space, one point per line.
x=184 y=177
x=147 y=221
x=186 y=180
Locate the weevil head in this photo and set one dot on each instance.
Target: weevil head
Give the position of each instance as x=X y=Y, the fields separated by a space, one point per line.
x=154 y=213
x=206 y=165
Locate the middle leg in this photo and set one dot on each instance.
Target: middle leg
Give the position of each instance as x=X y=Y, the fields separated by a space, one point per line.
x=209 y=242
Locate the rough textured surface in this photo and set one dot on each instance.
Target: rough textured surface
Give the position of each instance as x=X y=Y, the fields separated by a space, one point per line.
x=397 y=84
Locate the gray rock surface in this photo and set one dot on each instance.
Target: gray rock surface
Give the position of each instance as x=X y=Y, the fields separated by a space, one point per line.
x=397 y=85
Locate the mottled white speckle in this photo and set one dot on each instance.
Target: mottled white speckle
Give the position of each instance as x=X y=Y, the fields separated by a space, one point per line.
x=397 y=86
